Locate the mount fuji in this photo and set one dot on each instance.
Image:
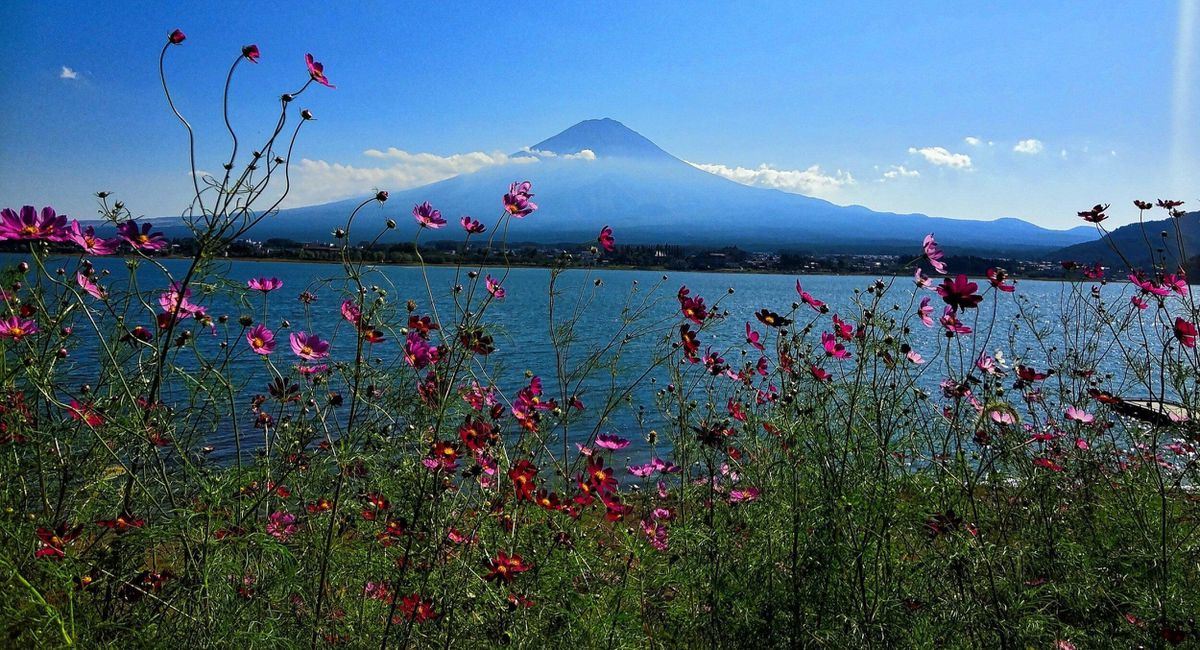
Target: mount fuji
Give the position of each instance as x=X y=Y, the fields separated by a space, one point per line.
x=600 y=172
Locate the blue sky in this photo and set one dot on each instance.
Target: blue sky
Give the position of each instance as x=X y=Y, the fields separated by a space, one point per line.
x=1032 y=109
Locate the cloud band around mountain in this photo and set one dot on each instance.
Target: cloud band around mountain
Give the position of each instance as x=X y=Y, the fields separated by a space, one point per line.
x=812 y=181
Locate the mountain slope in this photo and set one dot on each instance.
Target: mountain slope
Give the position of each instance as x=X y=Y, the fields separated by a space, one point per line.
x=1137 y=242
x=649 y=196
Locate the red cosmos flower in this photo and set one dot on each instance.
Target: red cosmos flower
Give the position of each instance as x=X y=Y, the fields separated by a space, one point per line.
x=122 y=523
x=735 y=410
x=505 y=567
x=713 y=434
x=251 y=53
x=86 y=413
x=614 y=509
x=375 y=505
x=693 y=309
x=1047 y=464
x=606 y=239
x=691 y=346
x=1137 y=301
x=600 y=477
x=176 y=37
x=1169 y=205
x=393 y=530
x=809 y=300
x=443 y=456
x=771 y=319
x=752 y=338
x=477 y=434
x=472 y=226
x=959 y=293
x=1185 y=331
x=413 y=608
x=517 y=202
x=819 y=373
x=997 y=278
x=1096 y=214
x=422 y=325
x=53 y=541
x=547 y=500
x=319 y=506
x=523 y=474
x=317 y=71
x=1028 y=374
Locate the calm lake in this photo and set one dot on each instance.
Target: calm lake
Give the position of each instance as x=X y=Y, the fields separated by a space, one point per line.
x=520 y=326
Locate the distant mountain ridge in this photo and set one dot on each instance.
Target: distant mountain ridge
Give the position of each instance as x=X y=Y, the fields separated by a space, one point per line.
x=649 y=196
x=1138 y=244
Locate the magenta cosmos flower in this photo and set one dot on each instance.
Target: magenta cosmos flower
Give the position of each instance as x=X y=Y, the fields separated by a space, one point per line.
x=606 y=239
x=611 y=442
x=427 y=216
x=959 y=293
x=317 y=71
x=264 y=284
x=87 y=239
x=494 y=288
x=309 y=346
x=29 y=226
x=282 y=525
x=251 y=53
x=141 y=237
x=16 y=329
x=472 y=226
x=1185 y=331
x=261 y=340
x=517 y=202
x=89 y=285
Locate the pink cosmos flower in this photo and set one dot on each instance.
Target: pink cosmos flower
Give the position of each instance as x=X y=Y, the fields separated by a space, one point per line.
x=921 y=280
x=641 y=471
x=517 y=202
x=997 y=277
x=89 y=242
x=606 y=239
x=1176 y=283
x=1079 y=415
x=89 y=285
x=472 y=226
x=805 y=296
x=1002 y=417
x=427 y=216
x=832 y=347
x=934 y=254
x=282 y=525
x=1185 y=331
x=915 y=357
x=141 y=238
x=494 y=288
x=16 y=329
x=173 y=303
x=264 y=284
x=308 y=346
x=351 y=312
x=261 y=339
x=1149 y=286
x=664 y=466
x=28 y=226
x=611 y=442
x=925 y=311
x=317 y=71
x=1048 y=464
x=251 y=53
x=418 y=352
x=952 y=324
x=753 y=339
x=744 y=496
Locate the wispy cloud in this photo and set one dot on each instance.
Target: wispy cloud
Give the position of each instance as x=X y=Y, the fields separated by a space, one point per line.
x=68 y=73
x=972 y=140
x=1029 y=147
x=320 y=180
x=900 y=171
x=812 y=181
x=942 y=157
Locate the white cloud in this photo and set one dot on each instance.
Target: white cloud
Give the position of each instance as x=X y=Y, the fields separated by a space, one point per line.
x=973 y=141
x=319 y=180
x=812 y=181
x=68 y=73
x=584 y=154
x=900 y=171
x=1031 y=147
x=941 y=157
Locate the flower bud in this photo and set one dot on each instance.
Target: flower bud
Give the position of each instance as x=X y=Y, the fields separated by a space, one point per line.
x=306 y=114
x=286 y=97
x=381 y=196
x=176 y=37
x=391 y=223
x=23 y=267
